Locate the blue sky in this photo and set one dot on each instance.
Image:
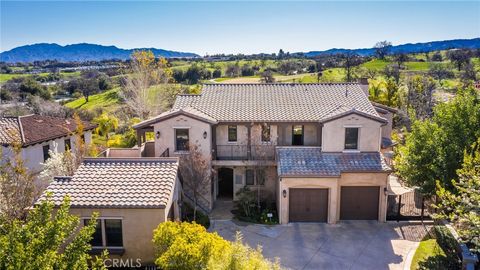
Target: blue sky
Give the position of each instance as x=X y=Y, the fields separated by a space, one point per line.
x=235 y=27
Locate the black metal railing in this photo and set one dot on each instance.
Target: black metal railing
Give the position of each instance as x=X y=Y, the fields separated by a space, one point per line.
x=165 y=153
x=244 y=152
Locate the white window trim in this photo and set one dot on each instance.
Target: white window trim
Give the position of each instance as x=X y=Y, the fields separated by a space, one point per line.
x=102 y=227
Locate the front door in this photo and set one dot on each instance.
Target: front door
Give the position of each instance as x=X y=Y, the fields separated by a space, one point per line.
x=297 y=135
x=225 y=183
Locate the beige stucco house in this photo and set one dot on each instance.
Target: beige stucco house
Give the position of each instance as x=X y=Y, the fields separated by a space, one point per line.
x=132 y=197
x=313 y=149
x=38 y=134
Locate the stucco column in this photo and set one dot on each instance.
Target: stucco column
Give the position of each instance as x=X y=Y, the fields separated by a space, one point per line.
x=139 y=138
x=249 y=141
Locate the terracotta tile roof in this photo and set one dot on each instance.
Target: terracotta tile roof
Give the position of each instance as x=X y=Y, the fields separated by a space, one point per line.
x=31 y=129
x=192 y=112
x=311 y=161
x=118 y=183
x=278 y=102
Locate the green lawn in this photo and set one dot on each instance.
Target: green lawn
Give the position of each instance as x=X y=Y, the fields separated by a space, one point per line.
x=376 y=64
x=429 y=255
x=107 y=100
x=5 y=77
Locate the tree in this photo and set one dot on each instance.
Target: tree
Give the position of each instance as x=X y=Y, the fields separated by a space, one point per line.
x=247 y=70
x=189 y=246
x=196 y=172
x=439 y=72
x=267 y=77
x=217 y=73
x=420 y=96
x=437 y=57
x=16 y=184
x=462 y=205
x=281 y=54
x=400 y=58
x=29 y=86
x=105 y=124
x=58 y=164
x=459 y=57
x=433 y=149
x=350 y=62
x=469 y=73
x=391 y=93
x=49 y=238
x=392 y=71
x=382 y=49
x=376 y=89
x=145 y=72
x=233 y=70
x=193 y=74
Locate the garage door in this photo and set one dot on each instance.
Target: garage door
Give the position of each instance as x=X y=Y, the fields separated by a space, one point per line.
x=359 y=203
x=308 y=205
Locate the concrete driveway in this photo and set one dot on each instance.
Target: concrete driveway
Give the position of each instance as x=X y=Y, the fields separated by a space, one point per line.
x=347 y=245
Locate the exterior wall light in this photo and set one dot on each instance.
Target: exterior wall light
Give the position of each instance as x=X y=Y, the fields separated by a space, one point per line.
x=158 y=134
x=204 y=134
x=284 y=193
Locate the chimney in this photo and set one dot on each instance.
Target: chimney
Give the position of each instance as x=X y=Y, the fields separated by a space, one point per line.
x=363 y=82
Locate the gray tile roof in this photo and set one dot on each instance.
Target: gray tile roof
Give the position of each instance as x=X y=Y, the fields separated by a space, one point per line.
x=118 y=183
x=192 y=112
x=311 y=161
x=278 y=102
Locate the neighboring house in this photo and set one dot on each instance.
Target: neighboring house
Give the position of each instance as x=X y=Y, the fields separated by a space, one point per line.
x=314 y=149
x=37 y=135
x=132 y=196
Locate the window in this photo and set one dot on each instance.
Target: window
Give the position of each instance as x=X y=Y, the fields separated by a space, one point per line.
x=265 y=133
x=249 y=178
x=97 y=235
x=261 y=177
x=297 y=135
x=113 y=232
x=232 y=133
x=108 y=233
x=181 y=139
x=68 y=145
x=351 y=138
x=46 y=154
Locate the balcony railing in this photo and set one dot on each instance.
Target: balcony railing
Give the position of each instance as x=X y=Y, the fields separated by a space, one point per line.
x=243 y=152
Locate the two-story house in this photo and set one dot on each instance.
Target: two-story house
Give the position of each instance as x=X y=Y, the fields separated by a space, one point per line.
x=313 y=149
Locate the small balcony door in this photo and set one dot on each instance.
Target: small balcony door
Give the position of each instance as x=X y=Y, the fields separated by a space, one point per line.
x=297 y=135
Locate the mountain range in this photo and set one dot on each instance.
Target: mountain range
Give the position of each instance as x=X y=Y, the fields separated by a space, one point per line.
x=94 y=52
x=79 y=53
x=409 y=47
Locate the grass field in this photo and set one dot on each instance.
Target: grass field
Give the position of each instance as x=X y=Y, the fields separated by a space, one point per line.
x=108 y=100
x=428 y=253
x=5 y=77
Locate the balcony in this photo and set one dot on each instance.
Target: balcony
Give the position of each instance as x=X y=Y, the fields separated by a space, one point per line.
x=244 y=152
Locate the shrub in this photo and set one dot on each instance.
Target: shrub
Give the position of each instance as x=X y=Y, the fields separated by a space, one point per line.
x=190 y=246
x=247 y=208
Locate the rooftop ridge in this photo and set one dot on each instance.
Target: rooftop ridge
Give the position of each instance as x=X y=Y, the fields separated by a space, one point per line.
x=279 y=83
x=131 y=159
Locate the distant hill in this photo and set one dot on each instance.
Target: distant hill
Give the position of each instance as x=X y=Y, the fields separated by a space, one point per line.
x=78 y=53
x=409 y=47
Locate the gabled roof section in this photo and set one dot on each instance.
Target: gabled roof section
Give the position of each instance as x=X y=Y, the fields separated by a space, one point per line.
x=188 y=111
x=118 y=183
x=278 y=102
x=343 y=112
x=312 y=162
x=32 y=129
x=379 y=106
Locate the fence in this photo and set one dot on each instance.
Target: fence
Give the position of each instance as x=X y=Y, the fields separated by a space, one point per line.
x=408 y=206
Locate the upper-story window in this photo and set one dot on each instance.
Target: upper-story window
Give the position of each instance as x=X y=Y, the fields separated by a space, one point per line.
x=232 y=133
x=181 y=139
x=265 y=133
x=46 y=154
x=68 y=145
x=297 y=135
x=108 y=233
x=351 y=138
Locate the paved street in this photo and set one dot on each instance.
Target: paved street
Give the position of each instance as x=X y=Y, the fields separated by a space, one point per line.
x=347 y=245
